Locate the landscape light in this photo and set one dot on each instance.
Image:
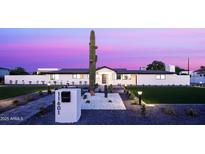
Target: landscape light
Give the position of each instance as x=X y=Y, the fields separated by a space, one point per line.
x=140 y=96
x=48 y=84
x=200 y=83
x=139 y=92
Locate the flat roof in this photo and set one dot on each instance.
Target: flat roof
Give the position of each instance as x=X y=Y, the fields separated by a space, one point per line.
x=117 y=70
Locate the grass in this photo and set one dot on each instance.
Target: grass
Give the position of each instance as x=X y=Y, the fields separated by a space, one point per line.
x=12 y=91
x=171 y=95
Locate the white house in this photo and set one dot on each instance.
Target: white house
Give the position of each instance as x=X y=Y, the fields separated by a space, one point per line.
x=104 y=75
x=3 y=72
x=198 y=77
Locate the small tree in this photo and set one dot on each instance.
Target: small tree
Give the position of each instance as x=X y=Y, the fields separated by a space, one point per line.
x=156 y=65
x=178 y=69
x=18 y=71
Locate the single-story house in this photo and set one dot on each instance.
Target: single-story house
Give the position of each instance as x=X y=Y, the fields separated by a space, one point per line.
x=198 y=76
x=104 y=75
x=3 y=72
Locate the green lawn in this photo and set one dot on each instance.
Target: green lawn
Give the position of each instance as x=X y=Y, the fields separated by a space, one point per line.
x=12 y=91
x=171 y=95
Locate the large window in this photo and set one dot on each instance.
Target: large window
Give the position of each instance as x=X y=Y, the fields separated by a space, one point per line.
x=160 y=77
x=126 y=77
x=118 y=76
x=77 y=76
x=54 y=77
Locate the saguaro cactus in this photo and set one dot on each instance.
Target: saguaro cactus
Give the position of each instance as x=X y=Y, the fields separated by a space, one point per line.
x=106 y=91
x=92 y=63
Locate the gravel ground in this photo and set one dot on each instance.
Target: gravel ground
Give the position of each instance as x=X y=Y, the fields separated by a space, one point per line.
x=154 y=115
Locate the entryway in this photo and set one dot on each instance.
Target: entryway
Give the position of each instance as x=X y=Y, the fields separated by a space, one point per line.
x=104 y=78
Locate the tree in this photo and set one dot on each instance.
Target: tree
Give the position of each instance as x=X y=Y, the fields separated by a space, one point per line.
x=156 y=65
x=178 y=69
x=18 y=71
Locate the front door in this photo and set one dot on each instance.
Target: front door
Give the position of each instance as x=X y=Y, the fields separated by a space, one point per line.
x=104 y=78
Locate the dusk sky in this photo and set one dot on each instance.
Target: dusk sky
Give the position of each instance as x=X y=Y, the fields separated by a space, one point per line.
x=117 y=48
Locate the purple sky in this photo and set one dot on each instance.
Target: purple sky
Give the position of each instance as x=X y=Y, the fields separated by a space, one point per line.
x=126 y=48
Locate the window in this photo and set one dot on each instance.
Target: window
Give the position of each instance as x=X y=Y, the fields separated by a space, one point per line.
x=77 y=76
x=160 y=77
x=37 y=82
x=118 y=76
x=85 y=82
x=73 y=83
x=80 y=82
x=126 y=77
x=43 y=82
x=16 y=81
x=54 y=77
x=30 y=82
x=23 y=82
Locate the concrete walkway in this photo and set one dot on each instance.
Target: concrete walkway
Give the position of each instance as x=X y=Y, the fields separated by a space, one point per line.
x=22 y=113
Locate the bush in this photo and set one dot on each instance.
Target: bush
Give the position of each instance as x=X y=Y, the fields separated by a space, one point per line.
x=28 y=98
x=191 y=112
x=85 y=96
x=49 y=91
x=40 y=93
x=132 y=96
x=87 y=101
x=15 y=102
x=143 y=109
x=42 y=111
x=134 y=102
x=110 y=88
x=168 y=111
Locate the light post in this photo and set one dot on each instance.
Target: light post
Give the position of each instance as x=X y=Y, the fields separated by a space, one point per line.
x=140 y=96
x=201 y=83
x=49 y=88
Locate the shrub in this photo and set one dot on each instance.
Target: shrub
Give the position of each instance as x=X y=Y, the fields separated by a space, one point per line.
x=110 y=88
x=42 y=111
x=143 y=109
x=87 y=101
x=134 y=102
x=28 y=98
x=15 y=102
x=132 y=96
x=191 y=112
x=85 y=96
x=110 y=101
x=40 y=93
x=49 y=91
x=168 y=111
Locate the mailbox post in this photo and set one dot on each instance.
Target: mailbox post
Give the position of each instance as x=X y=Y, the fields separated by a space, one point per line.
x=67 y=105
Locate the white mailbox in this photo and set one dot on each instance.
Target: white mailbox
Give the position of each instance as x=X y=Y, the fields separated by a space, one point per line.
x=67 y=105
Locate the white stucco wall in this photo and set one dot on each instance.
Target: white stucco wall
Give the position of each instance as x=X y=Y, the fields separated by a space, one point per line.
x=63 y=79
x=37 y=79
x=170 y=79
